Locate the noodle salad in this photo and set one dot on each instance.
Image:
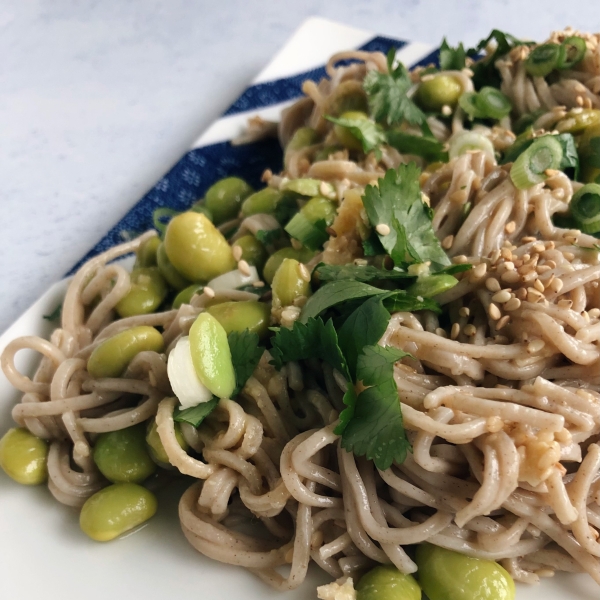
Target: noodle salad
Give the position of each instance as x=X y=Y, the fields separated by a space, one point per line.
x=386 y=361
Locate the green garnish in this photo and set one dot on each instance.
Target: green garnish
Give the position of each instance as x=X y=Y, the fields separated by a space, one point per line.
x=585 y=208
x=196 y=414
x=452 y=59
x=573 y=50
x=311 y=235
x=245 y=354
x=55 y=314
x=488 y=103
x=369 y=133
x=427 y=147
x=363 y=273
x=530 y=167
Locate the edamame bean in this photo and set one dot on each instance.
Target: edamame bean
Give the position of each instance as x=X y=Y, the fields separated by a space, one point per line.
x=349 y=95
x=319 y=208
x=146 y=253
x=174 y=278
x=211 y=355
x=344 y=135
x=238 y=316
x=225 y=197
x=386 y=582
x=23 y=456
x=439 y=91
x=447 y=575
x=185 y=295
x=431 y=285
x=115 y=510
x=122 y=456
x=253 y=252
x=111 y=357
x=290 y=282
x=200 y=207
x=262 y=202
x=196 y=248
x=155 y=446
x=303 y=255
x=148 y=290
x=303 y=136
x=305 y=186
x=578 y=121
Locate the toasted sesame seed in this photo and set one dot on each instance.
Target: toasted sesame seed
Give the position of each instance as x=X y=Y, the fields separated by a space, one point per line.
x=528 y=239
x=510 y=227
x=529 y=276
x=579 y=100
x=565 y=303
x=494 y=312
x=501 y=297
x=534 y=295
x=237 y=252
x=455 y=331
x=538 y=285
x=243 y=267
x=258 y=284
x=480 y=270
x=548 y=283
x=460 y=259
x=538 y=247
x=535 y=346
x=441 y=332
x=550 y=263
x=510 y=277
x=594 y=313
x=585 y=315
x=304 y=273
x=326 y=189
x=557 y=285
x=296 y=245
x=512 y=304
x=464 y=311
x=208 y=291
x=569 y=255
x=551 y=172
x=383 y=229
x=543 y=269
x=495 y=256
x=550 y=245
x=509 y=265
x=446 y=110
x=502 y=322
x=470 y=330
x=492 y=284
x=447 y=242
x=506 y=254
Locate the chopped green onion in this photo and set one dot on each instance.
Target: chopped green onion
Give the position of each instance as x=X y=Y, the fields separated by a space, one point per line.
x=530 y=167
x=304 y=186
x=572 y=51
x=312 y=235
x=469 y=140
x=493 y=103
x=468 y=102
x=161 y=218
x=543 y=59
x=585 y=208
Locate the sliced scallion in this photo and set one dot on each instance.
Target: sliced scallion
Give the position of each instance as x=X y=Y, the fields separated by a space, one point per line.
x=530 y=167
x=492 y=103
x=543 y=59
x=468 y=102
x=572 y=51
x=469 y=140
x=311 y=235
x=161 y=217
x=585 y=208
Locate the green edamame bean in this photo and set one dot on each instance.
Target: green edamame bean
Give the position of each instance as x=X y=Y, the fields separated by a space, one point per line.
x=262 y=202
x=303 y=137
x=146 y=253
x=155 y=446
x=305 y=186
x=23 y=456
x=319 y=208
x=349 y=95
x=386 y=582
x=186 y=294
x=447 y=575
x=115 y=510
x=576 y=122
x=122 y=456
x=440 y=91
x=431 y=285
x=196 y=248
x=290 y=282
x=344 y=135
x=111 y=357
x=238 y=316
x=173 y=277
x=253 y=251
x=303 y=255
x=225 y=197
x=211 y=355
x=148 y=290
x=200 y=207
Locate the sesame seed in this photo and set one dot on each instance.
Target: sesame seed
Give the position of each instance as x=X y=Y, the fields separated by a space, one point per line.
x=464 y=311
x=492 y=284
x=510 y=277
x=579 y=100
x=441 y=332
x=208 y=291
x=565 y=303
x=502 y=322
x=512 y=304
x=495 y=256
x=548 y=283
x=383 y=229
x=237 y=252
x=460 y=259
x=447 y=242
x=529 y=276
x=501 y=297
x=258 y=284
x=550 y=245
x=296 y=245
x=557 y=285
x=480 y=270
x=243 y=268
x=538 y=285
x=538 y=247
x=509 y=265
x=446 y=110
x=551 y=172
x=326 y=189
x=506 y=254
x=535 y=346
x=470 y=330
x=494 y=312
x=528 y=239
x=304 y=273
x=521 y=294
x=569 y=255
x=534 y=295
x=585 y=315
x=550 y=263
x=594 y=313
x=543 y=269
x=455 y=331
x=510 y=227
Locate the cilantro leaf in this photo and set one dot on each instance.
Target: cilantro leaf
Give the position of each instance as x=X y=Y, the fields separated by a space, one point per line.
x=401 y=301
x=429 y=148
x=369 y=133
x=268 y=236
x=452 y=59
x=336 y=292
x=313 y=339
x=387 y=94
x=397 y=203
x=362 y=273
x=196 y=414
x=374 y=363
x=245 y=354
x=364 y=327
x=372 y=246
x=348 y=413
x=376 y=430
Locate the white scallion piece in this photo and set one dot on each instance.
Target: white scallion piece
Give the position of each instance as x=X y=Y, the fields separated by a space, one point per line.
x=234 y=280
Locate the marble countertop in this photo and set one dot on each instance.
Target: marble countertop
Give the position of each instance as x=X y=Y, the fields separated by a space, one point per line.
x=99 y=99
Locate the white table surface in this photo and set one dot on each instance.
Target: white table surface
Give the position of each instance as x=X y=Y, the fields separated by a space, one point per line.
x=99 y=99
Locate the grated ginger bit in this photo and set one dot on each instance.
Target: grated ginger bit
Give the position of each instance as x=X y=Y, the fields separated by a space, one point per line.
x=337 y=590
